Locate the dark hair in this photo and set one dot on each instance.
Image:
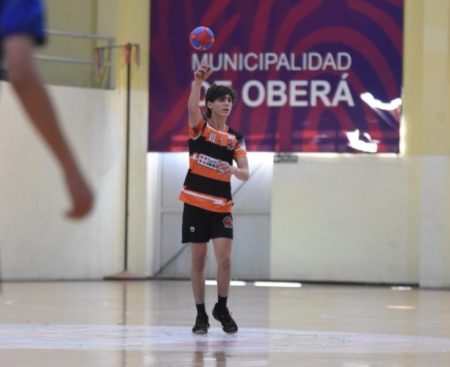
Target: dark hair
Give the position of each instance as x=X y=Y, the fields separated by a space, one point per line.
x=216 y=91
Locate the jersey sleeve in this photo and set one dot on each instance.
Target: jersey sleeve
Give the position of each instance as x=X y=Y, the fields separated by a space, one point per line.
x=240 y=150
x=194 y=133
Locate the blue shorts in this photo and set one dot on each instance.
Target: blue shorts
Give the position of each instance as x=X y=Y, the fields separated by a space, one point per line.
x=22 y=17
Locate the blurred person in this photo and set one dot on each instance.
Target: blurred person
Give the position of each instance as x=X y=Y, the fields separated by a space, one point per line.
x=21 y=28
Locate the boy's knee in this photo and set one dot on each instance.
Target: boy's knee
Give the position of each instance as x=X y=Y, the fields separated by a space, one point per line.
x=224 y=263
x=199 y=263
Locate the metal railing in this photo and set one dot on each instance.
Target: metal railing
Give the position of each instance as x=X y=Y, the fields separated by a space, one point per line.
x=88 y=72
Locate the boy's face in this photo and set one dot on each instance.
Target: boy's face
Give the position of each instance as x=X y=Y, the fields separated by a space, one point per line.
x=221 y=106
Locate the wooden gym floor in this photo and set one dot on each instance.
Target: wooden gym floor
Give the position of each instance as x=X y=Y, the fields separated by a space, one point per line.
x=147 y=323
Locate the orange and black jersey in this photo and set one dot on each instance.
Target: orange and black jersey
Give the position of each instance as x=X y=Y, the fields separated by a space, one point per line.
x=205 y=186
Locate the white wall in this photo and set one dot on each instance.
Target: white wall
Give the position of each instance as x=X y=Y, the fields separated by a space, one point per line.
x=332 y=218
x=345 y=218
x=326 y=218
x=37 y=242
x=434 y=219
x=251 y=218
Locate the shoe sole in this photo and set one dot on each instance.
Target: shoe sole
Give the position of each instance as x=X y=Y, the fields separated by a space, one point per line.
x=200 y=332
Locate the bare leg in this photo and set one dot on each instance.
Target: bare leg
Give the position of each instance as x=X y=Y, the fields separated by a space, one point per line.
x=222 y=249
x=36 y=102
x=199 y=251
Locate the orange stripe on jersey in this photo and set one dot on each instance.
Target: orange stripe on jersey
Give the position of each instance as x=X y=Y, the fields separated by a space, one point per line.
x=204 y=201
x=195 y=132
x=240 y=151
x=239 y=154
x=220 y=138
x=213 y=173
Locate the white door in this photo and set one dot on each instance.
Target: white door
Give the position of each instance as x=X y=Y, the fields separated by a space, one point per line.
x=251 y=246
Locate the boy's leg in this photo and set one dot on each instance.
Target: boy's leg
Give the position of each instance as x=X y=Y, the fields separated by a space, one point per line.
x=194 y=231
x=222 y=249
x=18 y=52
x=199 y=251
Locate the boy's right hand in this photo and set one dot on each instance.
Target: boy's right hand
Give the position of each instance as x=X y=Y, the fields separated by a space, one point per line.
x=203 y=72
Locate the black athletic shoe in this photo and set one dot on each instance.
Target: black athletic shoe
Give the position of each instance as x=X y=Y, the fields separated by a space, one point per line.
x=228 y=324
x=201 y=325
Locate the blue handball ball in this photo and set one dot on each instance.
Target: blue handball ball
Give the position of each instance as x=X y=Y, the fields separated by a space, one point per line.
x=202 y=38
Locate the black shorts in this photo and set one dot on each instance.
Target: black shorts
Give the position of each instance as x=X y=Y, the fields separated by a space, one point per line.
x=200 y=225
